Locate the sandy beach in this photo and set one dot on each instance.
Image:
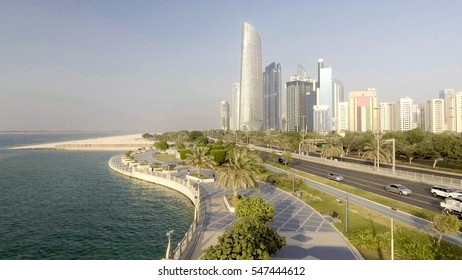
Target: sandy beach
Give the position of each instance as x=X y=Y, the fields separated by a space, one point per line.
x=113 y=143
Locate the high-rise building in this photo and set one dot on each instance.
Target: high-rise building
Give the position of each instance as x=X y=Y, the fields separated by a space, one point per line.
x=342 y=117
x=434 y=116
x=311 y=101
x=224 y=115
x=235 y=104
x=362 y=113
x=416 y=115
x=251 y=94
x=445 y=94
x=385 y=117
x=320 y=65
x=272 y=92
x=455 y=112
x=338 y=96
x=403 y=117
x=326 y=95
x=422 y=117
x=320 y=118
x=296 y=93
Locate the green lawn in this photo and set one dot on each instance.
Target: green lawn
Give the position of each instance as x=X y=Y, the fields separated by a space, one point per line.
x=370 y=232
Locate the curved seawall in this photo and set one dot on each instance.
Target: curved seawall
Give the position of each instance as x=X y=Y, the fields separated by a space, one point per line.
x=187 y=245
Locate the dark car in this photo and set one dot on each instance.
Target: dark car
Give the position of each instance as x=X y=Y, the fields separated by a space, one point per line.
x=281 y=161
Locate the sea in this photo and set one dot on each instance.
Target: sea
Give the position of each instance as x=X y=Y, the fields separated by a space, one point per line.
x=69 y=205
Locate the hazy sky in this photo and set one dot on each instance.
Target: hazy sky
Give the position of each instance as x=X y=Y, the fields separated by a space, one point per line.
x=166 y=65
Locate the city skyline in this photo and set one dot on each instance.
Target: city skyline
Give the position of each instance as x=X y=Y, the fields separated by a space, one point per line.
x=68 y=65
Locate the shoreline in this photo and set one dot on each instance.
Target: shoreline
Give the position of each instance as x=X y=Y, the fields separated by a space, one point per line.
x=111 y=143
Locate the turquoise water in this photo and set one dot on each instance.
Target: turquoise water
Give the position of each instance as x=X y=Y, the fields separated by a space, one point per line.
x=70 y=205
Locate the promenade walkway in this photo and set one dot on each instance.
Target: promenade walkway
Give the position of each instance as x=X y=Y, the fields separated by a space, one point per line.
x=309 y=235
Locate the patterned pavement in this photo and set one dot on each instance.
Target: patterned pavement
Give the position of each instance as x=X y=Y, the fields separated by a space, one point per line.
x=309 y=235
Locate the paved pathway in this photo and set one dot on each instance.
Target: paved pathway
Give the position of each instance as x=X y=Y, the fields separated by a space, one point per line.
x=309 y=235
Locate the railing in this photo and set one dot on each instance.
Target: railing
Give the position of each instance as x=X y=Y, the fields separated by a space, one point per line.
x=182 y=251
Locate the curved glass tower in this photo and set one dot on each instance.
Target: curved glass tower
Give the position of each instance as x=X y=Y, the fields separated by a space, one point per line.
x=251 y=109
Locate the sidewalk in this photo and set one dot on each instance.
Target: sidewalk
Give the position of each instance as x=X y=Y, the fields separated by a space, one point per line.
x=309 y=235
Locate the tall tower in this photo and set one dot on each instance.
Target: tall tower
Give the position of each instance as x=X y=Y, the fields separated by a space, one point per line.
x=251 y=103
x=236 y=105
x=272 y=96
x=326 y=95
x=224 y=115
x=297 y=92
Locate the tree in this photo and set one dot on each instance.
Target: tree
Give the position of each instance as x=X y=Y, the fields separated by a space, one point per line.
x=240 y=171
x=445 y=224
x=273 y=156
x=287 y=157
x=332 y=147
x=248 y=239
x=370 y=152
x=161 y=145
x=199 y=158
x=256 y=207
x=251 y=237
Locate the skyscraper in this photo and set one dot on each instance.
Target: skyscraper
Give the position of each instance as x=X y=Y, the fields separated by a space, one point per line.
x=251 y=93
x=337 y=96
x=403 y=115
x=235 y=104
x=445 y=94
x=297 y=91
x=362 y=114
x=272 y=96
x=455 y=112
x=326 y=93
x=224 y=115
x=434 y=116
x=385 y=117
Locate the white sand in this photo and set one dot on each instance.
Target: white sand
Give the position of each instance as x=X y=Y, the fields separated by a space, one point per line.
x=113 y=143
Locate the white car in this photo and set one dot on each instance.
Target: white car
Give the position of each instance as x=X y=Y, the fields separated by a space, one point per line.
x=445 y=192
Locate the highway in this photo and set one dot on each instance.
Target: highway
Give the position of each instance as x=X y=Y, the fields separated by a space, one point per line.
x=371 y=182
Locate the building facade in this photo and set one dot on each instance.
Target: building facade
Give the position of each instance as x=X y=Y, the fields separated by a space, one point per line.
x=235 y=105
x=225 y=118
x=296 y=93
x=362 y=113
x=434 y=116
x=455 y=112
x=445 y=94
x=342 y=117
x=251 y=90
x=326 y=95
x=403 y=115
x=272 y=93
x=320 y=118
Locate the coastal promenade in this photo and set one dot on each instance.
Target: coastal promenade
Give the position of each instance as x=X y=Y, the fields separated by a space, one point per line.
x=309 y=235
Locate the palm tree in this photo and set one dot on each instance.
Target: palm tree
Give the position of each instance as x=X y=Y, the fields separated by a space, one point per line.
x=332 y=147
x=240 y=171
x=199 y=158
x=370 y=152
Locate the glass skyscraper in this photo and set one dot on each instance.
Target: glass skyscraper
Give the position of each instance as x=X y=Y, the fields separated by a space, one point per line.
x=251 y=93
x=272 y=96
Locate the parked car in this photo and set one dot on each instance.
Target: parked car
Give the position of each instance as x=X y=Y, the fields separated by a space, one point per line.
x=281 y=161
x=445 y=192
x=335 y=176
x=397 y=188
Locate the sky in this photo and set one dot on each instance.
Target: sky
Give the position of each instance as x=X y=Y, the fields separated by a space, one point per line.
x=157 y=66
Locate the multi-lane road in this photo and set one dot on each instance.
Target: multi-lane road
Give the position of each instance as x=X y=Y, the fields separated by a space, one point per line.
x=372 y=182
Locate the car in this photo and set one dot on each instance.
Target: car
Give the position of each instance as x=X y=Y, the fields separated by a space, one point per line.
x=335 y=176
x=445 y=192
x=397 y=188
x=281 y=161
x=279 y=153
